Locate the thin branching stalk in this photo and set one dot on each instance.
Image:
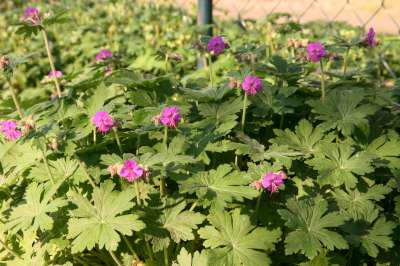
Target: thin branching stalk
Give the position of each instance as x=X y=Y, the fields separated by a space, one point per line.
x=258 y=204
x=115 y=258
x=89 y=178
x=51 y=61
x=12 y=252
x=46 y=163
x=162 y=179
x=346 y=60
x=118 y=140
x=149 y=250
x=94 y=137
x=15 y=100
x=322 y=81
x=138 y=201
x=193 y=206
x=166 y=261
x=129 y=246
x=244 y=110
x=210 y=71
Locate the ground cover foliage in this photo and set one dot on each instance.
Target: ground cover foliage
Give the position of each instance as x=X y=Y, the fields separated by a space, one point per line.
x=115 y=149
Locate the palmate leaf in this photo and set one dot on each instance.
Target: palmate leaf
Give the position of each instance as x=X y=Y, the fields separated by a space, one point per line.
x=235 y=241
x=219 y=187
x=343 y=110
x=386 y=150
x=169 y=220
x=371 y=238
x=337 y=164
x=310 y=222
x=197 y=259
x=281 y=154
x=304 y=139
x=100 y=221
x=358 y=205
x=219 y=113
x=35 y=213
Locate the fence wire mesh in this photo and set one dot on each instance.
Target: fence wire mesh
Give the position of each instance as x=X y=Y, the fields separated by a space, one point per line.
x=384 y=15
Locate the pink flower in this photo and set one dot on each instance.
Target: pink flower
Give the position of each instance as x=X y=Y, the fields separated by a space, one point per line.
x=131 y=171
x=10 y=130
x=103 y=121
x=217 y=45
x=103 y=55
x=370 y=38
x=170 y=117
x=251 y=85
x=55 y=74
x=31 y=15
x=272 y=181
x=315 y=51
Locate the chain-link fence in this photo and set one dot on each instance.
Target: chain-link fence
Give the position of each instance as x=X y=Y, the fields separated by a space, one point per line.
x=383 y=15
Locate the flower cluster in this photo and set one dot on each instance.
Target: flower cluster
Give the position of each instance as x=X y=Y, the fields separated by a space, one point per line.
x=271 y=181
x=10 y=130
x=31 y=16
x=315 y=52
x=217 y=45
x=55 y=74
x=169 y=117
x=103 y=121
x=251 y=85
x=130 y=170
x=103 y=55
x=370 y=38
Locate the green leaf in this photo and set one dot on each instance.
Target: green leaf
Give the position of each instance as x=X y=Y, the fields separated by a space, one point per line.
x=343 y=110
x=378 y=236
x=197 y=259
x=96 y=102
x=219 y=113
x=371 y=238
x=304 y=139
x=220 y=186
x=171 y=221
x=34 y=213
x=385 y=149
x=337 y=164
x=309 y=222
x=99 y=221
x=235 y=241
x=357 y=205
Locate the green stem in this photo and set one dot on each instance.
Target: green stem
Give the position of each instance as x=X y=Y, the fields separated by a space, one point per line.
x=258 y=204
x=94 y=137
x=149 y=250
x=138 y=201
x=282 y=121
x=210 y=70
x=193 y=206
x=345 y=60
x=162 y=178
x=166 y=256
x=244 y=110
x=117 y=140
x=322 y=81
x=130 y=247
x=165 y=139
x=138 y=144
x=89 y=178
x=115 y=258
x=51 y=61
x=46 y=164
x=15 y=100
x=12 y=252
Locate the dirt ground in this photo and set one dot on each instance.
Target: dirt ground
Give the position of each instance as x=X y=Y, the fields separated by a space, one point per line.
x=384 y=18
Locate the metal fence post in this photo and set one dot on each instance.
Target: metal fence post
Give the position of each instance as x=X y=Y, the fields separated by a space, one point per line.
x=204 y=19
